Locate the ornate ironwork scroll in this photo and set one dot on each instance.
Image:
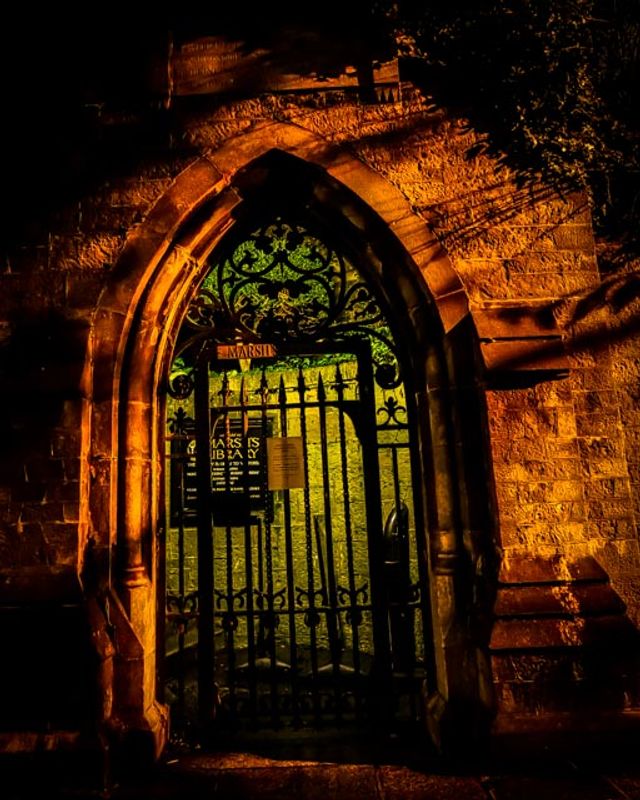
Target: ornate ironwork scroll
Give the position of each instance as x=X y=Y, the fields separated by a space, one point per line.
x=283 y=283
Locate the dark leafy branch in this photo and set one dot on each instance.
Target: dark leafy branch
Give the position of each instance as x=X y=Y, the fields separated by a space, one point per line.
x=551 y=86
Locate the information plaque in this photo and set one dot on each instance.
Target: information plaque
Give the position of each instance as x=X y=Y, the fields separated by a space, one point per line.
x=285 y=463
x=238 y=463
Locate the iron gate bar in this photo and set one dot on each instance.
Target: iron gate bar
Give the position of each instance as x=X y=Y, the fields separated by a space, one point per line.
x=354 y=616
x=293 y=648
x=174 y=603
x=206 y=644
x=260 y=563
x=330 y=588
x=381 y=672
x=181 y=586
x=312 y=617
x=175 y=609
x=248 y=555
x=272 y=619
x=229 y=618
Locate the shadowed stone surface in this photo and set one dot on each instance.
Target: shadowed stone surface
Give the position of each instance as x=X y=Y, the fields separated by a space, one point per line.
x=538 y=774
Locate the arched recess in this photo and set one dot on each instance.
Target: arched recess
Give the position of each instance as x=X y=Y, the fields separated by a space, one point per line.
x=134 y=330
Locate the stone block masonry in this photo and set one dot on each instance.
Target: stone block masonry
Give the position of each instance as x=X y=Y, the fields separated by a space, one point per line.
x=561 y=440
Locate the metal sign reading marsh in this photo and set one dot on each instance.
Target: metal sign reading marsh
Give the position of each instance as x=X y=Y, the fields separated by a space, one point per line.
x=233 y=352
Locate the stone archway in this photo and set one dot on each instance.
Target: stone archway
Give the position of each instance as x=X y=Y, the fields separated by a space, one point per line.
x=134 y=329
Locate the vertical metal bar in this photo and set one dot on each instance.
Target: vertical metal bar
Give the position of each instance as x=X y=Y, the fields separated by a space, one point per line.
x=180 y=468
x=312 y=614
x=268 y=546
x=354 y=614
x=248 y=557
x=206 y=645
x=396 y=478
x=260 y=554
x=381 y=672
x=225 y=393
x=332 y=599
x=293 y=648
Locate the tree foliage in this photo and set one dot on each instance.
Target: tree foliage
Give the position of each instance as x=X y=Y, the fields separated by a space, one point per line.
x=552 y=87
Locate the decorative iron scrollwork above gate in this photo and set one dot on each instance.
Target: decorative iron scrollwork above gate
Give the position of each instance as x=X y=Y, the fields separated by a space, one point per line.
x=284 y=284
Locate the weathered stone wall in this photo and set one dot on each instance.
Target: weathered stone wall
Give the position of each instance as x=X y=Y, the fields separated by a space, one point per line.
x=558 y=448
x=563 y=455
x=605 y=327
x=50 y=287
x=506 y=244
x=564 y=452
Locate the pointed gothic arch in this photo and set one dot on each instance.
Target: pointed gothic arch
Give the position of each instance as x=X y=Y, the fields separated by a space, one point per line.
x=135 y=327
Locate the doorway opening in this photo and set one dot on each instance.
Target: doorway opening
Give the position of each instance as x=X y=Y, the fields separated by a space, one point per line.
x=295 y=561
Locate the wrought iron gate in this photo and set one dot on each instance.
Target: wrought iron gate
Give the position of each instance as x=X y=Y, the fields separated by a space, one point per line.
x=290 y=602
